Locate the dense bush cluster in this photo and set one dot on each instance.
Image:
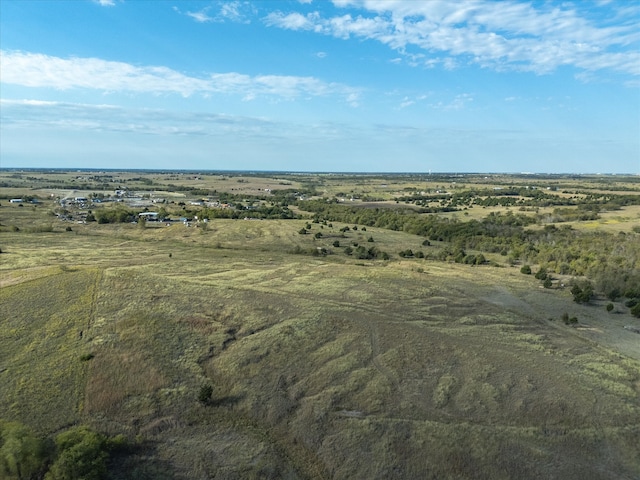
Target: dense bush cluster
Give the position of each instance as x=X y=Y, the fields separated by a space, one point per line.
x=74 y=454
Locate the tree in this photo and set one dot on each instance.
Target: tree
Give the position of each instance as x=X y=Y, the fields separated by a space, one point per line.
x=22 y=454
x=541 y=274
x=582 y=292
x=205 y=393
x=81 y=455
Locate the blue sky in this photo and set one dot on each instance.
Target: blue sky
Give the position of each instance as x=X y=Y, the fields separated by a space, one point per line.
x=311 y=85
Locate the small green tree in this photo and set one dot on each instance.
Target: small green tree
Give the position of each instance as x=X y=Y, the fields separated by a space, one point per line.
x=582 y=292
x=205 y=393
x=541 y=274
x=22 y=454
x=81 y=455
x=526 y=269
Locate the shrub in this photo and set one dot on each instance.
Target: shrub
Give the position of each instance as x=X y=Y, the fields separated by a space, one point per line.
x=205 y=393
x=81 y=454
x=22 y=454
x=336 y=243
x=541 y=274
x=526 y=269
x=302 y=231
x=635 y=311
x=582 y=292
x=567 y=320
x=426 y=243
x=547 y=282
x=609 y=307
x=68 y=229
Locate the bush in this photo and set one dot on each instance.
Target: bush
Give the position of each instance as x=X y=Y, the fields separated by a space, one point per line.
x=609 y=307
x=526 y=269
x=205 y=393
x=541 y=274
x=582 y=292
x=635 y=311
x=81 y=455
x=547 y=282
x=336 y=243
x=22 y=454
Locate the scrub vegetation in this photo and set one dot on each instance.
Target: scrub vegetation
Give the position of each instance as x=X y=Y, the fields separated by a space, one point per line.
x=318 y=326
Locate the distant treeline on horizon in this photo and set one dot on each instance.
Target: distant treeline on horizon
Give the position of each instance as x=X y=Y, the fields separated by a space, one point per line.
x=299 y=172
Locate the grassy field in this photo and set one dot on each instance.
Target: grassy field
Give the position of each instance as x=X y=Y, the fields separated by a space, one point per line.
x=321 y=366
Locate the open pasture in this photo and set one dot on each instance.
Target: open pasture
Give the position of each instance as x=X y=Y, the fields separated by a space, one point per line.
x=322 y=365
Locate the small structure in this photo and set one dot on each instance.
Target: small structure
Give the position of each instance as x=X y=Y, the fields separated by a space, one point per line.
x=149 y=216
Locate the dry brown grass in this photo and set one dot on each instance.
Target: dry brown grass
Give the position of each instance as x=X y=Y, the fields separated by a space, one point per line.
x=322 y=367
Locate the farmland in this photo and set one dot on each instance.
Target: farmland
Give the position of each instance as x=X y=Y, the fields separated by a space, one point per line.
x=347 y=326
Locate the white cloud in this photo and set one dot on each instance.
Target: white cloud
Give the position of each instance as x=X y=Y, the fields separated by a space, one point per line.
x=457 y=103
x=235 y=11
x=201 y=17
x=106 y=3
x=292 y=21
x=506 y=35
x=38 y=70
